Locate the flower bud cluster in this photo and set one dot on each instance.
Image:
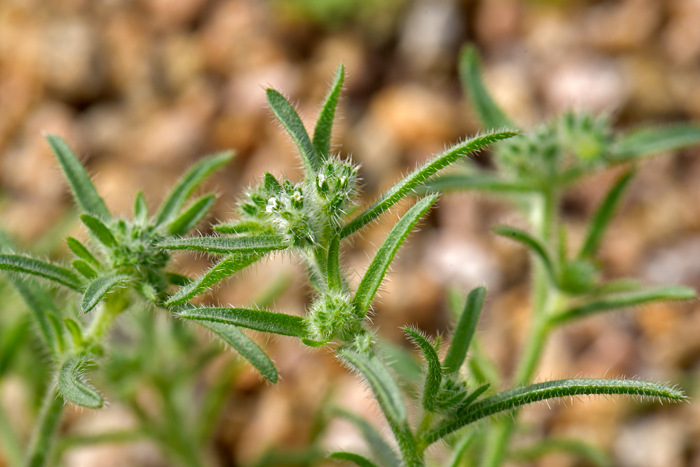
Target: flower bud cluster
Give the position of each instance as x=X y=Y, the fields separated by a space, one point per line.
x=336 y=186
x=333 y=315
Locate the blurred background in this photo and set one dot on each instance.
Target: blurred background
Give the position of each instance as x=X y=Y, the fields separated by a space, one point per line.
x=142 y=88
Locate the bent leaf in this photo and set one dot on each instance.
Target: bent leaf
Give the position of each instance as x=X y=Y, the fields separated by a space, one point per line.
x=659 y=294
x=100 y=287
x=227 y=245
x=324 y=124
x=514 y=398
x=651 y=141
x=382 y=384
x=81 y=186
x=189 y=219
x=462 y=337
x=433 y=378
x=490 y=114
x=244 y=346
x=74 y=389
x=533 y=244
x=377 y=269
x=603 y=215
x=259 y=320
x=35 y=267
x=290 y=120
x=394 y=194
x=217 y=273
x=170 y=208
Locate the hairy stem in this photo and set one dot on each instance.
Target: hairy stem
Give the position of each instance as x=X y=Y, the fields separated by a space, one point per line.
x=44 y=432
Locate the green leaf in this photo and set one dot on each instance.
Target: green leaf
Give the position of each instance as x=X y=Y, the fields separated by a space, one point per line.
x=433 y=378
x=242 y=227
x=290 y=120
x=98 y=288
x=475 y=394
x=377 y=269
x=459 y=450
x=83 y=190
x=513 y=398
x=420 y=175
x=73 y=387
x=651 y=141
x=382 y=384
x=533 y=244
x=464 y=331
x=260 y=320
x=12 y=338
x=217 y=273
x=324 y=124
x=335 y=281
x=189 y=219
x=478 y=182
x=574 y=447
x=624 y=300
x=244 y=346
x=170 y=208
x=35 y=267
x=81 y=252
x=380 y=448
x=140 y=208
x=354 y=458
x=99 y=230
x=227 y=245
x=84 y=269
x=75 y=331
x=604 y=215
x=491 y=116
x=177 y=279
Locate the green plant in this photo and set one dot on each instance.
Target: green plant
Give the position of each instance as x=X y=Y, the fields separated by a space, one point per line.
x=533 y=170
x=310 y=219
x=121 y=269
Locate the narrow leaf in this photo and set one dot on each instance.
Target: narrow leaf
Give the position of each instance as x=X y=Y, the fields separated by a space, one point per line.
x=420 y=175
x=244 y=346
x=334 y=279
x=82 y=252
x=324 y=124
x=227 y=245
x=242 y=227
x=12 y=338
x=475 y=394
x=84 y=269
x=478 y=182
x=39 y=268
x=99 y=230
x=100 y=287
x=532 y=243
x=260 y=320
x=491 y=116
x=75 y=331
x=433 y=378
x=140 y=208
x=177 y=279
x=651 y=141
x=514 y=398
x=604 y=215
x=189 y=219
x=217 y=273
x=658 y=294
x=380 y=448
x=74 y=389
x=290 y=120
x=382 y=384
x=172 y=204
x=459 y=450
x=462 y=338
x=354 y=458
x=81 y=186
x=377 y=269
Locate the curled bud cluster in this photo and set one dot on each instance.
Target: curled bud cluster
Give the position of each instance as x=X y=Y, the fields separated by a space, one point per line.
x=333 y=315
x=336 y=185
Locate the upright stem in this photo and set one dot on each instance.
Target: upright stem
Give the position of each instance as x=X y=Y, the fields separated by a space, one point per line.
x=44 y=433
x=544 y=299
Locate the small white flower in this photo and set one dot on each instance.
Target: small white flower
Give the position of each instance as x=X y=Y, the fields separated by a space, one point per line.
x=271 y=204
